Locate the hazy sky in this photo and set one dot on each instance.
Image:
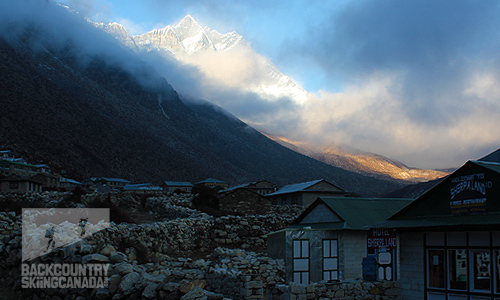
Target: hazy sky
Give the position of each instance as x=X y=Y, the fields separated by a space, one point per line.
x=417 y=81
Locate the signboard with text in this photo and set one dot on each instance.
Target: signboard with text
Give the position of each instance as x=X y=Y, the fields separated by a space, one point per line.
x=382 y=238
x=468 y=194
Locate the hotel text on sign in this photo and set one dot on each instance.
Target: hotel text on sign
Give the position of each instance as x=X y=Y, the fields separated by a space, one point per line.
x=382 y=238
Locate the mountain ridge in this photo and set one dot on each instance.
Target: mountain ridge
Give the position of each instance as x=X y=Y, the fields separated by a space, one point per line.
x=172 y=39
x=187 y=39
x=94 y=117
x=362 y=162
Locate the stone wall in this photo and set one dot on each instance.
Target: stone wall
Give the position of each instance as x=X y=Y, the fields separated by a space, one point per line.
x=243 y=201
x=358 y=290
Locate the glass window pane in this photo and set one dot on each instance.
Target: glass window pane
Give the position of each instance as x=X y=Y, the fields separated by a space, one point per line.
x=496 y=238
x=457 y=268
x=326 y=248
x=435 y=296
x=456 y=238
x=481 y=238
x=305 y=248
x=496 y=263
x=334 y=248
x=435 y=263
x=481 y=270
x=301 y=264
x=479 y=298
x=330 y=264
x=435 y=238
x=296 y=248
x=305 y=278
x=326 y=275
x=335 y=275
x=296 y=277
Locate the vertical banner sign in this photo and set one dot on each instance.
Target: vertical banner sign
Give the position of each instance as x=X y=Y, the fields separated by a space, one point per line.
x=468 y=194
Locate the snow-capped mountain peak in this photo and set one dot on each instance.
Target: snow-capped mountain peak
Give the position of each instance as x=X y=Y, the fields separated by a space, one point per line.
x=188 y=38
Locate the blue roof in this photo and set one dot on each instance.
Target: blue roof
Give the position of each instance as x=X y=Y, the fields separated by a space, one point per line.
x=178 y=183
x=113 y=179
x=212 y=180
x=141 y=187
x=68 y=180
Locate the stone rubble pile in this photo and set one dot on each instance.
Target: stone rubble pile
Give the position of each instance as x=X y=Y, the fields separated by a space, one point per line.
x=244 y=275
x=178 y=258
x=164 y=277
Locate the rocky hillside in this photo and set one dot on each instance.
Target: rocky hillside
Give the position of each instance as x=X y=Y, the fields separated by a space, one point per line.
x=363 y=162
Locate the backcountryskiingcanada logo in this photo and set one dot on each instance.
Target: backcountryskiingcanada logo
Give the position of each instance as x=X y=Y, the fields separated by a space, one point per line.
x=46 y=231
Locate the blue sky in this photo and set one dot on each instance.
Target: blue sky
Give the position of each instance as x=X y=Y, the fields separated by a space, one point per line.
x=417 y=81
x=268 y=25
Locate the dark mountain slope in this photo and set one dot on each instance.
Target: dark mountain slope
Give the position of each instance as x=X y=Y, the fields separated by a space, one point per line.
x=96 y=119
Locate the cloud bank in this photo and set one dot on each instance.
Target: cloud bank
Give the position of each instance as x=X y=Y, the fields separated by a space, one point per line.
x=420 y=79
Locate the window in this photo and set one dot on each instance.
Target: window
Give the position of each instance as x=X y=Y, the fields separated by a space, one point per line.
x=330 y=260
x=496 y=263
x=471 y=265
x=457 y=268
x=14 y=185
x=435 y=266
x=301 y=261
x=481 y=270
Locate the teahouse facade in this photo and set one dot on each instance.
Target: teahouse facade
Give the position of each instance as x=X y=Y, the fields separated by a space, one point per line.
x=449 y=238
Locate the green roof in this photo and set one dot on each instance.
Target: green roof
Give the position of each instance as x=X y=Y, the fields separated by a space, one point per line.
x=356 y=213
x=6 y=161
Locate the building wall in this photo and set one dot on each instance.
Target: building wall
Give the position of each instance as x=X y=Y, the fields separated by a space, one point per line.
x=411 y=265
x=20 y=186
x=352 y=250
x=308 y=198
x=320 y=214
x=323 y=186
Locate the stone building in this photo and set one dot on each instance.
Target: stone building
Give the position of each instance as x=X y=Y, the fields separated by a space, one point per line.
x=214 y=183
x=244 y=201
x=329 y=240
x=172 y=186
x=305 y=193
x=20 y=184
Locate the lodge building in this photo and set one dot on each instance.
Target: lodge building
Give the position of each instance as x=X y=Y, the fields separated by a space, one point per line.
x=449 y=238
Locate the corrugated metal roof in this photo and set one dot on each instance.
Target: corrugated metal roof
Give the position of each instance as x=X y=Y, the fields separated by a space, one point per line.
x=493 y=166
x=361 y=212
x=356 y=213
x=443 y=221
x=212 y=180
x=296 y=187
x=178 y=183
x=113 y=179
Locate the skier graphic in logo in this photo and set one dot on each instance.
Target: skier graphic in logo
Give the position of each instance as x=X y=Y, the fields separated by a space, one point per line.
x=83 y=222
x=49 y=233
